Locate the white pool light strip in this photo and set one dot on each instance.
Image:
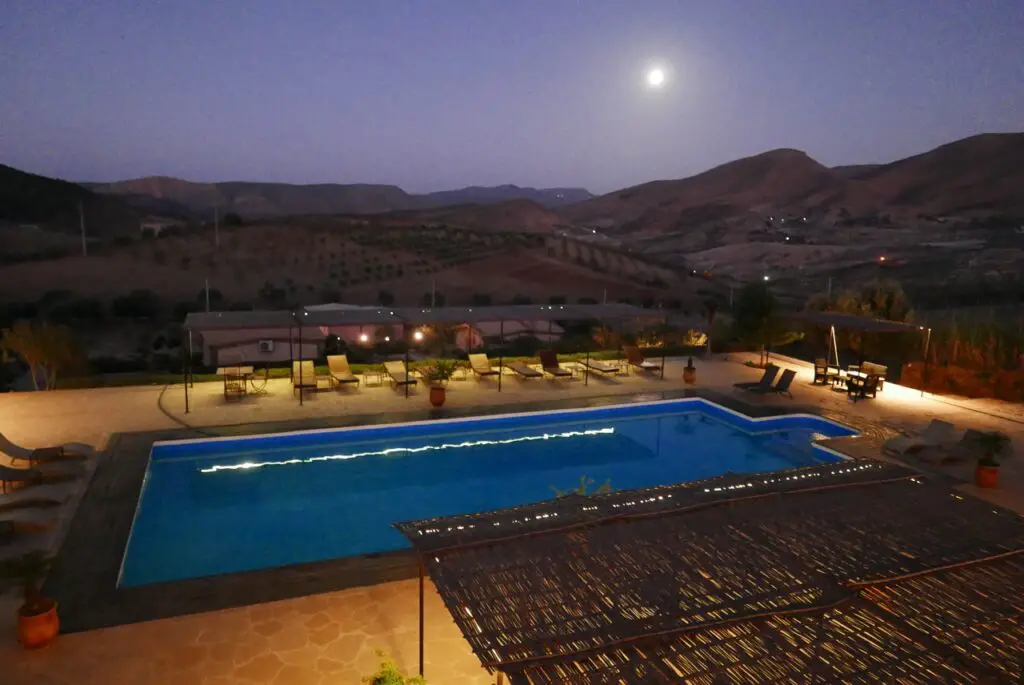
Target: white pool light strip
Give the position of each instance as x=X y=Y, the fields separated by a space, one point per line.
x=249 y=465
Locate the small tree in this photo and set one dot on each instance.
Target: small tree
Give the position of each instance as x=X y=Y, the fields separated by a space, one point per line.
x=758 y=323
x=390 y=674
x=43 y=347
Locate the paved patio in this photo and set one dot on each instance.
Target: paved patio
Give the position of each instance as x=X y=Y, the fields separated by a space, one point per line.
x=331 y=638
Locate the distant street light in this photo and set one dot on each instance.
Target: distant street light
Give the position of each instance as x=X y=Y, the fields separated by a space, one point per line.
x=363 y=338
x=766 y=278
x=417 y=336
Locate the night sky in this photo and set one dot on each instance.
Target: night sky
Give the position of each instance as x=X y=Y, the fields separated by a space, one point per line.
x=436 y=94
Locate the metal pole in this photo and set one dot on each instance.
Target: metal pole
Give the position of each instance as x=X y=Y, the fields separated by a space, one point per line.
x=924 y=373
x=191 y=353
x=81 y=223
x=300 y=362
x=216 y=227
x=408 y=374
x=501 y=351
x=207 y=283
x=835 y=344
x=665 y=323
x=185 y=368
x=421 y=615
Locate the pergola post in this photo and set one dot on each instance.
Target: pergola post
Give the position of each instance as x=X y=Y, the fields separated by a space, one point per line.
x=186 y=364
x=421 y=613
x=664 y=323
x=408 y=373
x=835 y=345
x=300 y=363
x=501 y=350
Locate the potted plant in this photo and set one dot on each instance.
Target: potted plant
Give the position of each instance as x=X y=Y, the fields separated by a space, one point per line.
x=38 y=623
x=993 y=445
x=390 y=674
x=689 y=372
x=437 y=375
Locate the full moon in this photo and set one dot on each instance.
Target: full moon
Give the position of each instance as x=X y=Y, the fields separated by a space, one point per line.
x=655 y=78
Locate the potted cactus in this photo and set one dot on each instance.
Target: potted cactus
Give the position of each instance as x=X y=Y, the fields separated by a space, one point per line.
x=993 y=445
x=38 y=623
x=438 y=374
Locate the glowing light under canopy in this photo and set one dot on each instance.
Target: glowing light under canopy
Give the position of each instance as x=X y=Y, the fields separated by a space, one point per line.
x=251 y=465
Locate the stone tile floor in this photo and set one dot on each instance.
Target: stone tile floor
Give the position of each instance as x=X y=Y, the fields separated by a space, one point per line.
x=331 y=638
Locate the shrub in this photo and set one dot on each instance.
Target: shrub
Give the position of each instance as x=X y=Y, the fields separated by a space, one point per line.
x=138 y=304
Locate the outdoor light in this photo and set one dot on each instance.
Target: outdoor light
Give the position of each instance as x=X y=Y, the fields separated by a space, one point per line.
x=766 y=278
x=882 y=258
x=417 y=336
x=387 y=338
x=363 y=337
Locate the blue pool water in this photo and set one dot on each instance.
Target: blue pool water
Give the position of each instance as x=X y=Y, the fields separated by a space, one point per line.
x=226 y=505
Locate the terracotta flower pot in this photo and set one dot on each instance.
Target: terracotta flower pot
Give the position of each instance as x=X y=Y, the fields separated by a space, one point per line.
x=437 y=395
x=38 y=629
x=986 y=476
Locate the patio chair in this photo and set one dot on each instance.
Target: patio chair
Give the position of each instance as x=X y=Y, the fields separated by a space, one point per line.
x=341 y=373
x=523 y=371
x=599 y=366
x=936 y=433
x=549 y=364
x=823 y=372
x=234 y=382
x=481 y=365
x=36 y=494
x=42 y=454
x=767 y=378
x=303 y=376
x=860 y=388
x=398 y=372
x=636 y=358
x=780 y=388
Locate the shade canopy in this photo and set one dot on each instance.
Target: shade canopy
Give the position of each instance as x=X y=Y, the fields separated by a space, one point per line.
x=856 y=571
x=855 y=322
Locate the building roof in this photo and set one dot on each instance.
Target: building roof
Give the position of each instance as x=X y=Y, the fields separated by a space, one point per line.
x=200 y=321
x=855 y=571
x=855 y=322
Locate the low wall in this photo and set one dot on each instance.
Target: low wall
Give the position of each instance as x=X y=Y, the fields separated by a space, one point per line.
x=1002 y=384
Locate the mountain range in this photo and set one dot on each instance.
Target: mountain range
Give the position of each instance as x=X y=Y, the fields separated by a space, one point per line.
x=263 y=200
x=980 y=175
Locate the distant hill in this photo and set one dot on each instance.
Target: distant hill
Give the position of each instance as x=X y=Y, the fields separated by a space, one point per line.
x=548 y=197
x=978 y=175
x=775 y=178
x=53 y=204
x=266 y=200
x=522 y=216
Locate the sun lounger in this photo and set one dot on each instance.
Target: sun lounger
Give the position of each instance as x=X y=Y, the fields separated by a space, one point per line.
x=935 y=433
x=481 y=365
x=770 y=372
x=40 y=472
x=780 y=388
x=549 y=364
x=399 y=374
x=303 y=376
x=599 y=366
x=32 y=518
x=340 y=371
x=36 y=494
x=41 y=454
x=636 y=358
x=968 y=448
x=26 y=542
x=523 y=371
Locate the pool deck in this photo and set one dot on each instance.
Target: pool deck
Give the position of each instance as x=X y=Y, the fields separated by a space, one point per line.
x=331 y=637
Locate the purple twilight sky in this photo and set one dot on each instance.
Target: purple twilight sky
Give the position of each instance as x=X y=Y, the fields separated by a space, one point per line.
x=436 y=94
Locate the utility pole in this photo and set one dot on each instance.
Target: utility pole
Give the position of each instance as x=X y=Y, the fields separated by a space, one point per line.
x=828 y=287
x=207 y=294
x=216 y=230
x=433 y=293
x=81 y=224
x=604 y=298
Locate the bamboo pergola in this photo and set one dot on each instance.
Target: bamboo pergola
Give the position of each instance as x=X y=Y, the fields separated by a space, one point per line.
x=846 y=572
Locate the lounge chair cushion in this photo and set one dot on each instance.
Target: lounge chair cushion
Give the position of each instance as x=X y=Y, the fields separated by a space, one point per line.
x=934 y=434
x=524 y=370
x=481 y=365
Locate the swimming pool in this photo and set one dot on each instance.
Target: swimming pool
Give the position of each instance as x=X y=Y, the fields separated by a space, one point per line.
x=225 y=505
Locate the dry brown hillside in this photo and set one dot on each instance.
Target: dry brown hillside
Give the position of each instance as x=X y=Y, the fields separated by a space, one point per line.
x=980 y=173
x=775 y=178
x=311 y=261
x=524 y=216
